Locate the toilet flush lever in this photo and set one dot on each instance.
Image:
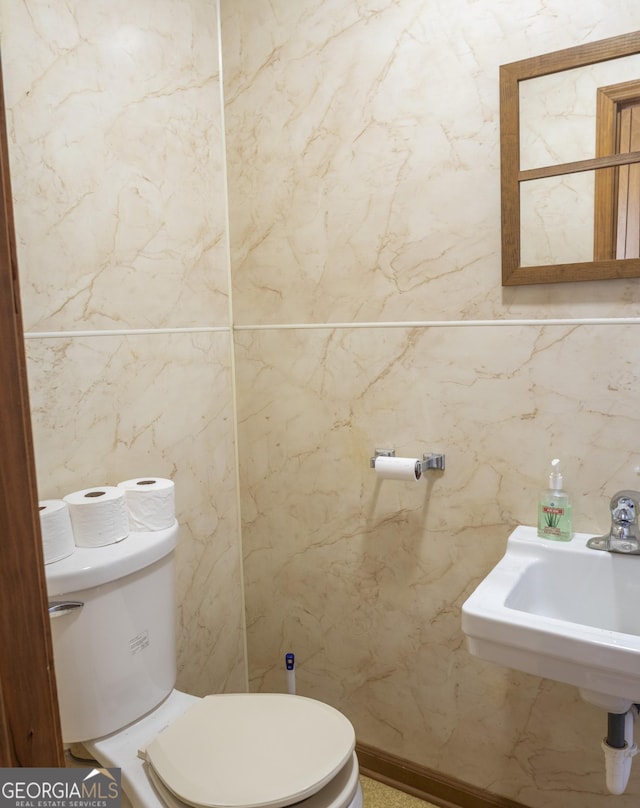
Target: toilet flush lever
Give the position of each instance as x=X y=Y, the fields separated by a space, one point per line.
x=58 y=608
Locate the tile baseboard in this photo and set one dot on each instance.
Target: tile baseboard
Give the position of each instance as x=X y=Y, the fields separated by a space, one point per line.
x=424 y=783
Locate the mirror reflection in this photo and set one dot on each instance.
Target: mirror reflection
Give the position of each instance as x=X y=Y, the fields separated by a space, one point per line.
x=558 y=111
x=557 y=219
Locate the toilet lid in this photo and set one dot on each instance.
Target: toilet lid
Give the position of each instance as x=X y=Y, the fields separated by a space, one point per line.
x=250 y=750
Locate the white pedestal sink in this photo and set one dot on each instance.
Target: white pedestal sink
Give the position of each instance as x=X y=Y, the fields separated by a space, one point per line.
x=562 y=611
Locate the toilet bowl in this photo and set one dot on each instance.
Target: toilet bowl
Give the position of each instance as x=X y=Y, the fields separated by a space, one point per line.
x=128 y=749
x=113 y=618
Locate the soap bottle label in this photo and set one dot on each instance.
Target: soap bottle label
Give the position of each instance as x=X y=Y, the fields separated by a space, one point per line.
x=554 y=521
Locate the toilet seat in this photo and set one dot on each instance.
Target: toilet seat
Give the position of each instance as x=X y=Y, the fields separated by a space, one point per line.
x=257 y=750
x=342 y=792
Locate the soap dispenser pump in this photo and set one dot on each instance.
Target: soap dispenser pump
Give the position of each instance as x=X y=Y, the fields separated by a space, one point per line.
x=554 y=508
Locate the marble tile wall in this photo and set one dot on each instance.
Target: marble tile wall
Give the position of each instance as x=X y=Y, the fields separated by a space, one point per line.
x=362 y=153
x=363 y=161
x=114 y=124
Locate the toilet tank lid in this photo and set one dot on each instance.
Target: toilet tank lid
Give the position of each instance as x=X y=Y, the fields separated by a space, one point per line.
x=88 y=567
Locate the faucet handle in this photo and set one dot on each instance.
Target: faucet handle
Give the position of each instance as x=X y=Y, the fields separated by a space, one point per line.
x=624 y=535
x=624 y=507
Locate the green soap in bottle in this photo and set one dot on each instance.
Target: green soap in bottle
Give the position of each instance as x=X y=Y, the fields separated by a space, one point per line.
x=554 y=508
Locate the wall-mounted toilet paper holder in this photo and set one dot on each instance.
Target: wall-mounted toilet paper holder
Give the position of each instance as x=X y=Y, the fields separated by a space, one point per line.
x=429 y=461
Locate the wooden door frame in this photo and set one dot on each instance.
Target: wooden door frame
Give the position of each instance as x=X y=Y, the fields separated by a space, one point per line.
x=29 y=720
x=608 y=101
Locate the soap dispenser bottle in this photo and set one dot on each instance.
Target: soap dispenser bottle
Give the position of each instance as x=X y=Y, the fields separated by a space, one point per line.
x=554 y=508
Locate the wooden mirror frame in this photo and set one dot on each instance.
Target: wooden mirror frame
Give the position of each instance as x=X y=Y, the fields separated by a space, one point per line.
x=511 y=175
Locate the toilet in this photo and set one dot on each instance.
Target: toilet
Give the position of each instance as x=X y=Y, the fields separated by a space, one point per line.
x=112 y=612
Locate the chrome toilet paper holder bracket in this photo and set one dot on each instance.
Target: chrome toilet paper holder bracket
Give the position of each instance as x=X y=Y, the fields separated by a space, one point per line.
x=429 y=461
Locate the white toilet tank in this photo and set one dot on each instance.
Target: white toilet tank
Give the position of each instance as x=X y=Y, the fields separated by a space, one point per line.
x=115 y=655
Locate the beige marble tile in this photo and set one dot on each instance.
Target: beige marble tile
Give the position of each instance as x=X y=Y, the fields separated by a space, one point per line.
x=107 y=409
x=116 y=156
x=363 y=151
x=358 y=192
x=364 y=579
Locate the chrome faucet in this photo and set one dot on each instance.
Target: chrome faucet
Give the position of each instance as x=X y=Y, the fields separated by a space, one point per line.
x=624 y=535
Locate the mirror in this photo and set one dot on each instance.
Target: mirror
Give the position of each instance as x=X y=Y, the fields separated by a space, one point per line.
x=570 y=164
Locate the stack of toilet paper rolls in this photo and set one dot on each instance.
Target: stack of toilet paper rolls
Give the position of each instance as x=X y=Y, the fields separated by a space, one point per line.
x=95 y=517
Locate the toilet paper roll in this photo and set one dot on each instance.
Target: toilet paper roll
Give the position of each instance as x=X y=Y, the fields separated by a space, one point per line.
x=98 y=516
x=55 y=527
x=150 y=503
x=398 y=468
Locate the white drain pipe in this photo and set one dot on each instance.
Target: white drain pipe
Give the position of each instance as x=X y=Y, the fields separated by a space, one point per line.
x=617 y=760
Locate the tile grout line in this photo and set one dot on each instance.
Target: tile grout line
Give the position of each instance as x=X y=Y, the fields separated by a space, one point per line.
x=595 y=321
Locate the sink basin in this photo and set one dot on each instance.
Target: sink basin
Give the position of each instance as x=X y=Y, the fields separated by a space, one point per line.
x=562 y=611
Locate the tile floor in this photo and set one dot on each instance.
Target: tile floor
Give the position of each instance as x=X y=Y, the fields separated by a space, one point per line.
x=378 y=795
